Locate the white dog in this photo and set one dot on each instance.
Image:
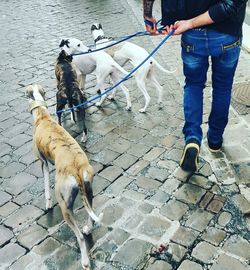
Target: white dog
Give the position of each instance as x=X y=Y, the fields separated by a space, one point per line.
x=128 y=51
x=100 y=62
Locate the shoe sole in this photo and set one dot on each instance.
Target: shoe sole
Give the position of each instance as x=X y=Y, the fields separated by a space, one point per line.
x=189 y=160
x=213 y=150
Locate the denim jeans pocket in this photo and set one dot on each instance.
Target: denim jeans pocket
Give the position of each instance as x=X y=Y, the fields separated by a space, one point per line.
x=231 y=51
x=187 y=47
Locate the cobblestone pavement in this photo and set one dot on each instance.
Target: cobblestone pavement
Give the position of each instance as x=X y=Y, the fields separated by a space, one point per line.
x=155 y=216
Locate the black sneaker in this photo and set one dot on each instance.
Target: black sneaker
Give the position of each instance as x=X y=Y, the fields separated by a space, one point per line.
x=214 y=147
x=189 y=159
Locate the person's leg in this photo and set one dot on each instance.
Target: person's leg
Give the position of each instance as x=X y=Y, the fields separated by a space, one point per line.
x=195 y=66
x=223 y=70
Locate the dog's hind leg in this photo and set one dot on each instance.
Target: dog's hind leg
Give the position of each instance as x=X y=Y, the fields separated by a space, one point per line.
x=66 y=190
x=156 y=84
x=89 y=194
x=45 y=169
x=140 y=80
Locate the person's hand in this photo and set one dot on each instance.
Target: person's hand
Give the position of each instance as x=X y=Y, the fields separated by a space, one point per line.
x=151 y=25
x=181 y=26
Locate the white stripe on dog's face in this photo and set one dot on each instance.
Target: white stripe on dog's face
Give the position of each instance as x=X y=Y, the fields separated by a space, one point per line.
x=36 y=93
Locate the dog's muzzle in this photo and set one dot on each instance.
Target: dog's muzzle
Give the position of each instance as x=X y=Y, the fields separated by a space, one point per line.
x=36 y=103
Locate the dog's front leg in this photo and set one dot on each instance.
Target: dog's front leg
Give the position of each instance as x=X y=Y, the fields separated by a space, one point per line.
x=45 y=169
x=100 y=85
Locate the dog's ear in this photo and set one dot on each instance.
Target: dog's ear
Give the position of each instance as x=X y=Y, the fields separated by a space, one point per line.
x=64 y=42
x=99 y=26
x=41 y=90
x=93 y=27
x=29 y=91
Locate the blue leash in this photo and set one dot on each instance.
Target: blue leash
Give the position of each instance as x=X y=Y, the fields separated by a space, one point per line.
x=121 y=39
x=125 y=78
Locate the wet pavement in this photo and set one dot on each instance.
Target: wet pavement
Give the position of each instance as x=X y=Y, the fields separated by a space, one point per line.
x=155 y=215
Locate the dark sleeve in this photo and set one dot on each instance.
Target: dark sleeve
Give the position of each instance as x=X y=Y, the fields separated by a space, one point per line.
x=225 y=9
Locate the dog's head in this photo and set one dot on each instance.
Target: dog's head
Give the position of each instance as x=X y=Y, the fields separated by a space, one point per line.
x=63 y=56
x=96 y=30
x=36 y=96
x=72 y=45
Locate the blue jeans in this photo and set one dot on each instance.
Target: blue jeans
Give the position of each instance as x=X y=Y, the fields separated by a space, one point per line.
x=197 y=46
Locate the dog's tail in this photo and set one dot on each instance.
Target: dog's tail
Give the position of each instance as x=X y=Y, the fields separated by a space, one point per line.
x=116 y=65
x=161 y=67
x=86 y=192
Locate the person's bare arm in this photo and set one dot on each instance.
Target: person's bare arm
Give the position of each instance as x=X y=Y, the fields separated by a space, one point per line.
x=150 y=21
x=184 y=25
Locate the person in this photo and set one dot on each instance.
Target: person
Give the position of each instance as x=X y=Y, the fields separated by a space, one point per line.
x=211 y=29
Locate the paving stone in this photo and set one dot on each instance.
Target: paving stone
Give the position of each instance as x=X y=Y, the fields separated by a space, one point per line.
x=125 y=161
x=147 y=183
x=214 y=236
x=99 y=184
x=242 y=171
x=137 y=167
x=104 y=252
x=138 y=149
x=134 y=249
x=7 y=209
x=5 y=235
x=111 y=173
x=158 y=174
x=238 y=246
x=19 y=183
x=160 y=197
x=132 y=222
x=10 y=253
x=177 y=251
x=120 y=145
x=154 y=153
x=205 y=252
x=31 y=236
x=118 y=236
x=52 y=218
x=201 y=181
x=174 y=210
x=4 y=197
x=185 y=236
x=5 y=149
x=19 y=140
x=206 y=199
x=170 y=185
x=224 y=218
x=23 y=198
x=241 y=203
x=159 y=265
x=11 y=169
x=199 y=219
x=47 y=247
x=118 y=186
x=189 y=193
x=105 y=157
x=215 y=206
x=187 y=265
x=226 y=262
x=146 y=208
x=22 y=263
x=154 y=227
x=168 y=141
x=168 y=165
x=22 y=217
x=111 y=214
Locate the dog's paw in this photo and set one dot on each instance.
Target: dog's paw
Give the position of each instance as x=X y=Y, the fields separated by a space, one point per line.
x=98 y=104
x=49 y=204
x=84 y=138
x=128 y=108
x=142 y=110
x=111 y=97
x=87 y=229
x=160 y=105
